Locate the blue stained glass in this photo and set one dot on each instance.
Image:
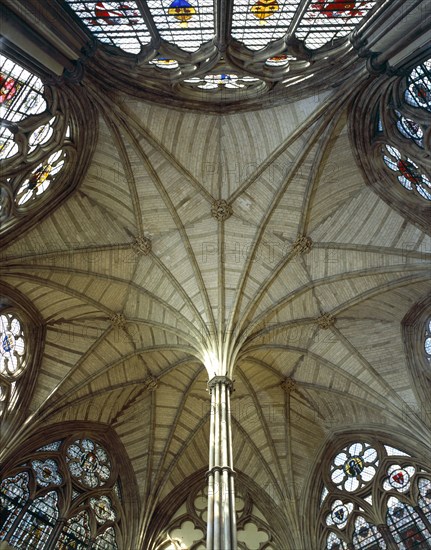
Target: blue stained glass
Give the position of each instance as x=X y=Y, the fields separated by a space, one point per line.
x=51 y=446
x=46 y=472
x=106 y=541
x=406 y=526
x=14 y=493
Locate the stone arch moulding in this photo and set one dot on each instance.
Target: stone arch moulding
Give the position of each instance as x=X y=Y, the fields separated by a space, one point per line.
x=13 y=302
x=336 y=441
x=121 y=471
x=178 y=508
x=45 y=152
x=373 y=127
x=413 y=328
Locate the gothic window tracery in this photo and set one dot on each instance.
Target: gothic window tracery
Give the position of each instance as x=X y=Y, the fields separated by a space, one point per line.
x=44 y=488
x=398 y=490
x=38 y=144
x=427 y=342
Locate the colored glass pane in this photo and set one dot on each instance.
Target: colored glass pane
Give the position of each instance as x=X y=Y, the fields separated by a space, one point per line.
x=223 y=80
x=354 y=466
x=367 y=536
x=14 y=493
x=408 y=173
x=37 y=523
x=406 y=526
x=12 y=345
x=410 y=129
x=76 y=533
x=40 y=178
x=427 y=343
x=106 y=540
x=103 y=509
x=115 y=23
x=424 y=500
x=54 y=446
x=20 y=96
x=256 y=24
x=324 y=22
x=46 y=472
x=164 y=63
x=40 y=136
x=88 y=462
x=335 y=543
x=186 y=24
x=418 y=92
x=339 y=514
x=398 y=478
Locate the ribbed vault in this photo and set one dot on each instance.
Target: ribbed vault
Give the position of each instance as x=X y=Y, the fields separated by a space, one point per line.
x=129 y=330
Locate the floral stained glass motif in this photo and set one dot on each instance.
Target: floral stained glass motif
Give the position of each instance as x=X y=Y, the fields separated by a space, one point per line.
x=367 y=536
x=40 y=178
x=14 y=493
x=12 y=345
x=76 y=533
x=408 y=173
x=326 y=21
x=88 y=463
x=188 y=25
x=37 y=523
x=418 y=92
x=41 y=135
x=21 y=95
x=220 y=81
x=406 y=526
x=256 y=23
x=115 y=23
x=106 y=541
x=354 y=466
x=46 y=472
x=427 y=344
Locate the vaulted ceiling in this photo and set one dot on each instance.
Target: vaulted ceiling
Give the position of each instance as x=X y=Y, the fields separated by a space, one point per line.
x=137 y=282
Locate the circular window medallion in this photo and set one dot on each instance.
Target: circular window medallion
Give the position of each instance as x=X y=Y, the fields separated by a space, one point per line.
x=354 y=466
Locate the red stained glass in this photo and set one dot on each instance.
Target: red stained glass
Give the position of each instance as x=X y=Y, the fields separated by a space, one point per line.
x=339 y=9
x=409 y=171
x=8 y=88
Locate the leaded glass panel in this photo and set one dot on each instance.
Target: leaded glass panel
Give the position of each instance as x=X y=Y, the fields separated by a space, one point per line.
x=106 y=540
x=12 y=345
x=367 y=536
x=14 y=493
x=418 y=92
x=76 y=533
x=406 y=526
x=114 y=23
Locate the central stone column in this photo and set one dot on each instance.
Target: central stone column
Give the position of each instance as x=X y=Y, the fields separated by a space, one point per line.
x=221 y=529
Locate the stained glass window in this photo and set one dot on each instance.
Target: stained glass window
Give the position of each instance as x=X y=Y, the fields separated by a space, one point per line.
x=222 y=81
x=398 y=478
x=115 y=23
x=408 y=172
x=76 y=533
x=367 y=536
x=46 y=472
x=40 y=178
x=12 y=346
x=418 y=92
x=255 y=23
x=35 y=527
x=106 y=540
x=326 y=21
x=427 y=344
x=21 y=95
x=424 y=500
x=14 y=493
x=353 y=518
x=88 y=462
x=410 y=129
x=354 y=466
x=335 y=543
x=29 y=517
x=186 y=24
x=406 y=526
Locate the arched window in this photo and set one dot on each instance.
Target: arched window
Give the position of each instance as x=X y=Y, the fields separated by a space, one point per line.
x=427 y=340
x=63 y=495
x=391 y=132
x=21 y=335
x=375 y=496
x=40 y=143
